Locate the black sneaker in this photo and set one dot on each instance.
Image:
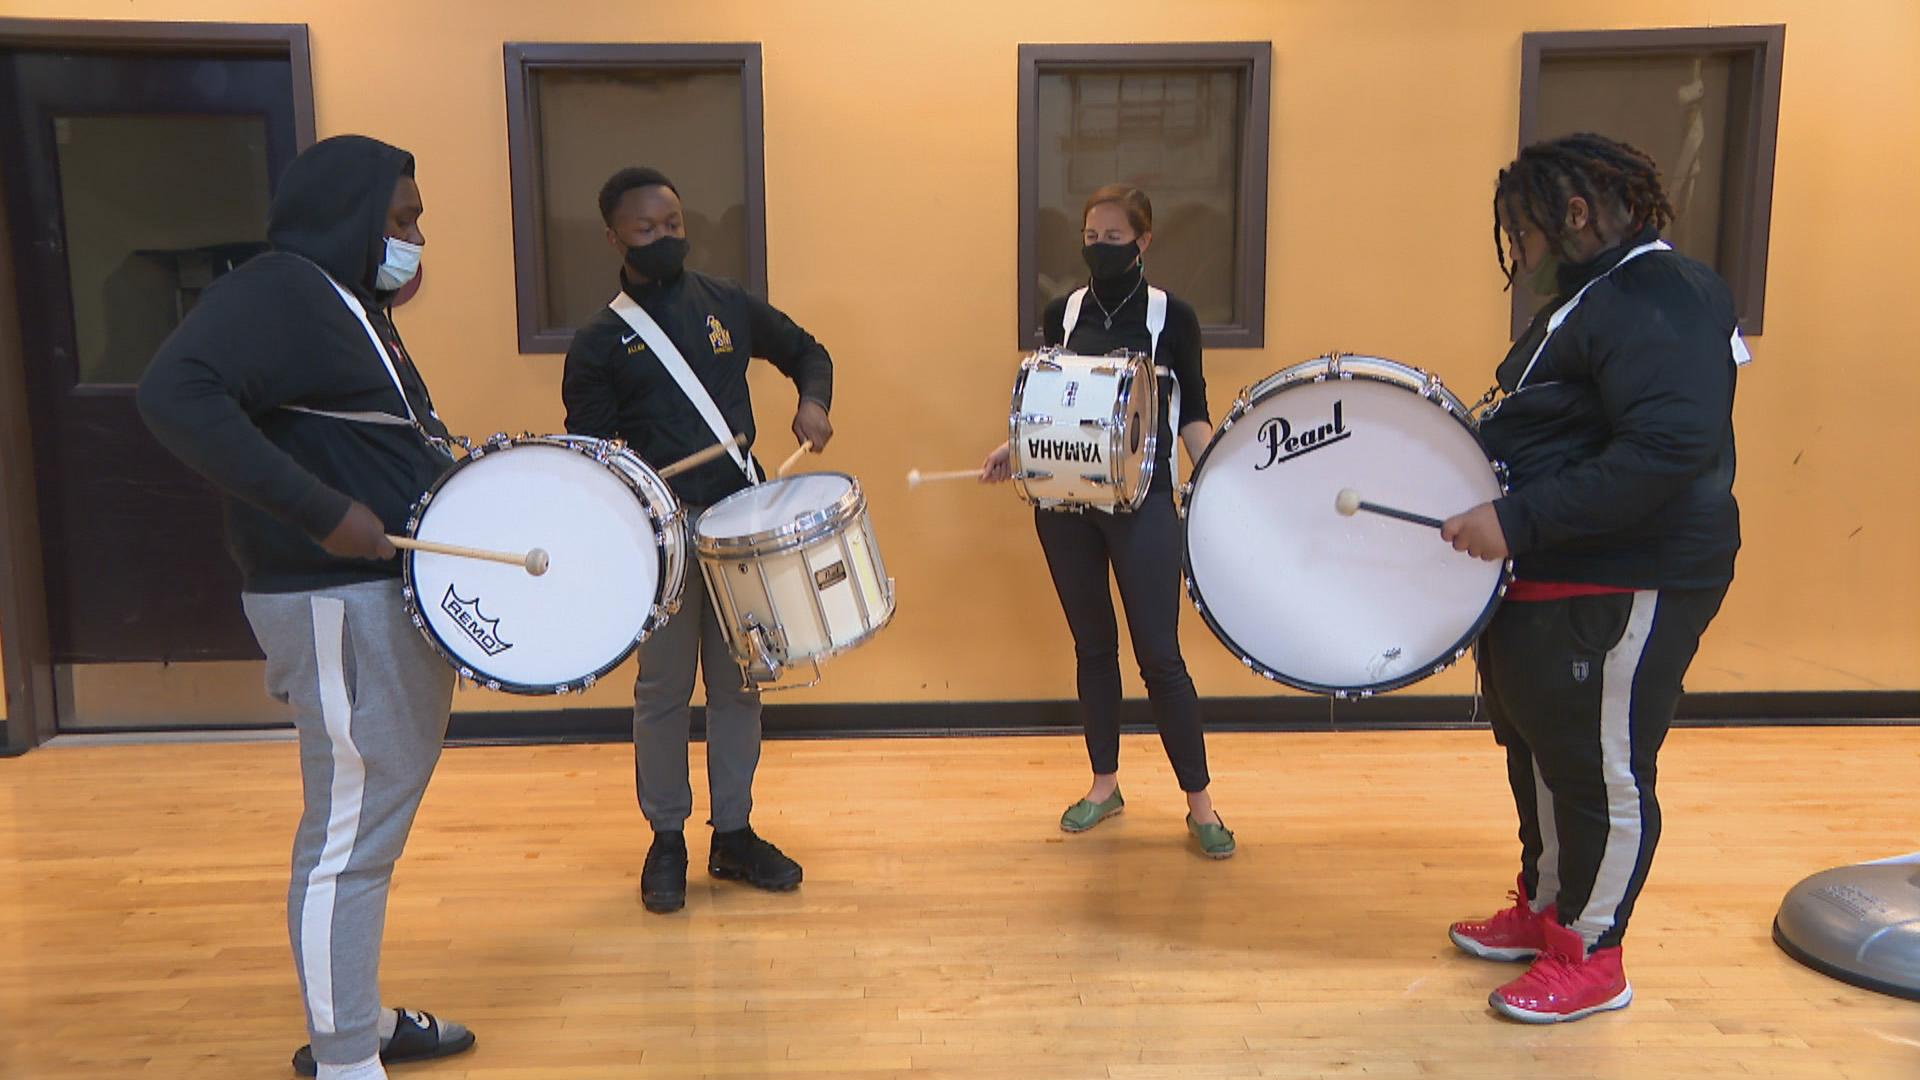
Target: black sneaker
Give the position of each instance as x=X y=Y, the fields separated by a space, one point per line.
x=741 y=856
x=417 y=1036
x=663 y=881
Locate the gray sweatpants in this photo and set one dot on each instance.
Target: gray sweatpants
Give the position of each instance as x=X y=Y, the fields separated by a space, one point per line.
x=662 y=719
x=371 y=699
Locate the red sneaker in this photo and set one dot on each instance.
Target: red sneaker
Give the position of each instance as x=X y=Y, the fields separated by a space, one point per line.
x=1514 y=934
x=1565 y=982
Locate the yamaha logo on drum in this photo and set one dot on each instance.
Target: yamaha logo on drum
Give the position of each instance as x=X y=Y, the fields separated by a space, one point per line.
x=1064 y=450
x=485 y=632
x=1283 y=445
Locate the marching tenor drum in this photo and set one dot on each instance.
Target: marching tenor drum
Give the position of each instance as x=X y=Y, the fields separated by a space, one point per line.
x=1084 y=430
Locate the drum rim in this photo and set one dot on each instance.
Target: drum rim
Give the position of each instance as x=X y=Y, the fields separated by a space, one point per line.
x=1332 y=366
x=798 y=533
x=1150 y=445
x=661 y=528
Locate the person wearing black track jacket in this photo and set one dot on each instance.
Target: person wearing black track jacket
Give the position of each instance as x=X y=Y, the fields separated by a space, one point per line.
x=1617 y=427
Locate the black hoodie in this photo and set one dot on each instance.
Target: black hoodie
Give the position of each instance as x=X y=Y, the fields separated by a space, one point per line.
x=225 y=392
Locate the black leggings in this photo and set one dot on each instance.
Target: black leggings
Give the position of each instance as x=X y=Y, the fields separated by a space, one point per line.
x=1144 y=549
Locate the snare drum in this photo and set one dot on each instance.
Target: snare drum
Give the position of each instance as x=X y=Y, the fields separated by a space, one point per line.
x=794 y=573
x=1347 y=606
x=616 y=545
x=1084 y=430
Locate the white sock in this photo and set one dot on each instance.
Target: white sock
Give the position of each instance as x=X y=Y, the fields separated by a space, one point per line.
x=369 y=1069
x=389 y=1020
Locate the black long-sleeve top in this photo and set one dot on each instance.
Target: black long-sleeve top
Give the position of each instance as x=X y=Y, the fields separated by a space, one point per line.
x=615 y=387
x=1179 y=351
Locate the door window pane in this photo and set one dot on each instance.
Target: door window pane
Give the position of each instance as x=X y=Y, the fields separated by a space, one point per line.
x=155 y=207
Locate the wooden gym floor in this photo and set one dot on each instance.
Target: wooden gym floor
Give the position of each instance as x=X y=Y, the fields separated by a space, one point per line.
x=946 y=928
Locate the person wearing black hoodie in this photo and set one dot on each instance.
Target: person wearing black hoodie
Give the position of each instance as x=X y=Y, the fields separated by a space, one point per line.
x=1617 y=429
x=288 y=387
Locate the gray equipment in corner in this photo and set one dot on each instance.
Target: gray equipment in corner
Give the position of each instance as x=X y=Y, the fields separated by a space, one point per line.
x=1859 y=924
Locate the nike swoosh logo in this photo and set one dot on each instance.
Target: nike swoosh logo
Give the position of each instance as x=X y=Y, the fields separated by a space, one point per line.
x=629 y=339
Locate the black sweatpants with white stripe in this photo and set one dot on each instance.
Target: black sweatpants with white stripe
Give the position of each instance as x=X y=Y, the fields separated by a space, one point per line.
x=1581 y=692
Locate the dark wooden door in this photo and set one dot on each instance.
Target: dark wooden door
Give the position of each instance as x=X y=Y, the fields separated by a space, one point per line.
x=133 y=180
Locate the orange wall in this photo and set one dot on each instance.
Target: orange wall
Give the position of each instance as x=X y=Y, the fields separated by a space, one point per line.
x=891 y=188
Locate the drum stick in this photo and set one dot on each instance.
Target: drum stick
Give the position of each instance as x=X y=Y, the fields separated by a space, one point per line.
x=915 y=477
x=805 y=446
x=701 y=457
x=1349 y=501
x=533 y=562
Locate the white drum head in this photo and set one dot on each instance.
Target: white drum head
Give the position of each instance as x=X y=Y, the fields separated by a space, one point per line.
x=773 y=506
x=1318 y=600
x=542 y=634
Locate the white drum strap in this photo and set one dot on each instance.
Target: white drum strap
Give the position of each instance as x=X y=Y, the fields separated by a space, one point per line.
x=1741 y=355
x=1156 y=317
x=1156 y=322
x=676 y=365
x=383 y=419
x=386 y=360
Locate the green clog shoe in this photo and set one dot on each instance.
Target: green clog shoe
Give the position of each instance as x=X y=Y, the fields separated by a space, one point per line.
x=1085 y=814
x=1216 y=841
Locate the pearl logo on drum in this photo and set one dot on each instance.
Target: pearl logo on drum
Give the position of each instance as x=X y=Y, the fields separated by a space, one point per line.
x=1281 y=444
x=485 y=632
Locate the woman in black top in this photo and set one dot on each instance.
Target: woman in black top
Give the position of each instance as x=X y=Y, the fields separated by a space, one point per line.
x=1143 y=547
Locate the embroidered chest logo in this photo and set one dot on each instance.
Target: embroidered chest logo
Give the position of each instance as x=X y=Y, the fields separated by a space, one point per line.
x=718 y=337
x=633 y=343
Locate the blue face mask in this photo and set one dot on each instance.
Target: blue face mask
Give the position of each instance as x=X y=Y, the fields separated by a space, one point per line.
x=398 y=268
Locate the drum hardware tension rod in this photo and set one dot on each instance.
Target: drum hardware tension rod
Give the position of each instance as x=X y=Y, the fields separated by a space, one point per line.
x=1349 y=501
x=533 y=562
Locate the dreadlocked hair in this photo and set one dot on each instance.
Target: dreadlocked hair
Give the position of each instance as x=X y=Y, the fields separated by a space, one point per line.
x=1605 y=173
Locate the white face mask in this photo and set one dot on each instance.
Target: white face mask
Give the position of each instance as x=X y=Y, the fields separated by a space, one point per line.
x=401 y=263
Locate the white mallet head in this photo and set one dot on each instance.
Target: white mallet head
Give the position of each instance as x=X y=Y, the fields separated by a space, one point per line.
x=1347 y=502
x=913 y=478
x=537 y=561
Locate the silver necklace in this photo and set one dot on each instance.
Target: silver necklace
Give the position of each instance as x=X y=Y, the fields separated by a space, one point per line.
x=1108 y=323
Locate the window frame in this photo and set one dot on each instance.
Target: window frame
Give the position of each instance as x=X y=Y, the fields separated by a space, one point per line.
x=1253 y=60
x=1766 y=44
x=524 y=62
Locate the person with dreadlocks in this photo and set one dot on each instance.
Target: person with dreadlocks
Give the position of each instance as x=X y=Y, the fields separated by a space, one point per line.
x=1617 y=429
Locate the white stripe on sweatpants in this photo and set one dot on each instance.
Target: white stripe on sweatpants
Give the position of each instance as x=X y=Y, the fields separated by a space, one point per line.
x=1546 y=890
x=343 y=819
x=1624 y=827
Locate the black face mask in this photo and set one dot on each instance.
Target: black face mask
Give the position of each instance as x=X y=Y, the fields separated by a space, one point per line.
x=659 y=260
x=1110 y=261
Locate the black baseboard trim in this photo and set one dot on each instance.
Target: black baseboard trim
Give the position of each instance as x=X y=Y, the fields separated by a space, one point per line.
x=1402 y=712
